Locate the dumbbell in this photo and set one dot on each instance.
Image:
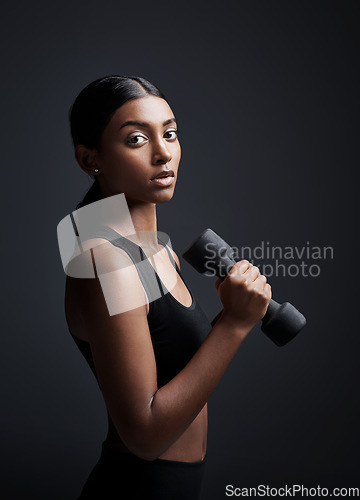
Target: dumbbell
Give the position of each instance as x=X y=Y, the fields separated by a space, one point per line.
x=281 y=321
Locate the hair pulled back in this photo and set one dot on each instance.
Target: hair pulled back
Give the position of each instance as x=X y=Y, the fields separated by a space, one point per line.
x=93 y=109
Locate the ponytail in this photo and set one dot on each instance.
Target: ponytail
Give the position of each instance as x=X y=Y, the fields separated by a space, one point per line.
x=93 y=194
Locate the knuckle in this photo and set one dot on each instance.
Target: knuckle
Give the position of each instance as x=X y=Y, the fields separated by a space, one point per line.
x=232 y=273
x=235 y=268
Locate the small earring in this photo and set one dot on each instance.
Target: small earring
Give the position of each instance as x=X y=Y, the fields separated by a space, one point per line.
x=96 y=170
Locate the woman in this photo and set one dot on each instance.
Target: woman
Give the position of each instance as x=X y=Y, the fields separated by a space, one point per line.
x=158 y=362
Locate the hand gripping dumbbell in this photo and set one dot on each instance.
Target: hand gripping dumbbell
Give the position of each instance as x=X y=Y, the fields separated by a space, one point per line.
x=281 y=322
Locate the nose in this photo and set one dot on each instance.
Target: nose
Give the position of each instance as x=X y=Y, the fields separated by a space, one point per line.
x=161 y=154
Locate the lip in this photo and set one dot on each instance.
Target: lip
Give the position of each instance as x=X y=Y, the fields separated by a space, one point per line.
x=164 y=173
x=163 y=181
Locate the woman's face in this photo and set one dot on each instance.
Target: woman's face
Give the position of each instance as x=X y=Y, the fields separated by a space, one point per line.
x=131 y=155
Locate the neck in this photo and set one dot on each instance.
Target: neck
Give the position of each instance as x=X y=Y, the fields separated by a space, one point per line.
x=143 y=216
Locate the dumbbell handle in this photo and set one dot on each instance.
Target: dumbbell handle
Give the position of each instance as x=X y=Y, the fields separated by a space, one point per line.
x=281 y=321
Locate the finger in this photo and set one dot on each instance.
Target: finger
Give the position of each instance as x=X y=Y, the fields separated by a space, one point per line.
x=267 y=289
x=260 y=282
x=239 y=267
x=252 y=273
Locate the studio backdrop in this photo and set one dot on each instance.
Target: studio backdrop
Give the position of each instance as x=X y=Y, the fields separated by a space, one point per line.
x=266 y=98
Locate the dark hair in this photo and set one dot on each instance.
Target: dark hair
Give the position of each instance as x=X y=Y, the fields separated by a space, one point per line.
x=93 y=109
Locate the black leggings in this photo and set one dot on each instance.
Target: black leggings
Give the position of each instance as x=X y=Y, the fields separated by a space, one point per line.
x=119 y=476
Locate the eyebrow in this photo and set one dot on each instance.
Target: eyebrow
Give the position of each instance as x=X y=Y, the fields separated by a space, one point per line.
x=144 y=124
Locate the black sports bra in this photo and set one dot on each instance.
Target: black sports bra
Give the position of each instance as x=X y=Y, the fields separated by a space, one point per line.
x=177 y=331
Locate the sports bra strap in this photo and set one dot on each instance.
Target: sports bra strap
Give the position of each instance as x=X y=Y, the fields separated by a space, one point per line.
x=148 y=276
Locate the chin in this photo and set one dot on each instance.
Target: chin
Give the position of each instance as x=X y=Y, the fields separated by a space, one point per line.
x=163 y=197
x=160 y=196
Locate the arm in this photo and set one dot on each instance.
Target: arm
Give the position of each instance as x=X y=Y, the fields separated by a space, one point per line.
x=216 y=317
x=175 y=405
x=149 y=419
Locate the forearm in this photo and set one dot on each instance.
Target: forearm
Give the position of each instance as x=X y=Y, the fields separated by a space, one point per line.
x=175 y=405
x=216 y=317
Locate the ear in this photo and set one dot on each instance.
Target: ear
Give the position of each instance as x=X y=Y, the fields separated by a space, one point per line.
x=86 y=158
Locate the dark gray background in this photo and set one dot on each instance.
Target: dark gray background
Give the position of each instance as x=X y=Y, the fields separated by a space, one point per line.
x=266 y=96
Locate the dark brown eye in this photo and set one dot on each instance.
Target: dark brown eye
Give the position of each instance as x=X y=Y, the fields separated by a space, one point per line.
x=173 y=132
x=134 y=139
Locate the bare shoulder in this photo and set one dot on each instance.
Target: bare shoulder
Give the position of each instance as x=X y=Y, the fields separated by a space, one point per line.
x=113 y=288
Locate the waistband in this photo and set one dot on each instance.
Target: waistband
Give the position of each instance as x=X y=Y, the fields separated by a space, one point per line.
x=120 y=456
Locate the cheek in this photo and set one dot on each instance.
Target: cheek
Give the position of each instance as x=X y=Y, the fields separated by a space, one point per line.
x=110 y=153
x=127 y=166
x=117 y=157
x=176 y=153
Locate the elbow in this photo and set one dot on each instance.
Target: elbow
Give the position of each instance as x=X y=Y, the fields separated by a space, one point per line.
x=145 y=443
x=144 y=436
x=144 y=448
x=146 y=455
